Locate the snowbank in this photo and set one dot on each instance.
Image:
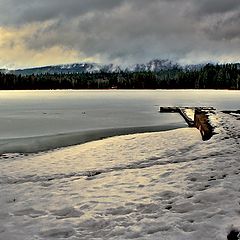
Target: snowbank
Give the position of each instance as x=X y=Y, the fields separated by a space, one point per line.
x=166 y=185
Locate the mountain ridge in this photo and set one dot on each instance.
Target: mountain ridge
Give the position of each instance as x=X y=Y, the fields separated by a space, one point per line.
x=154 y=65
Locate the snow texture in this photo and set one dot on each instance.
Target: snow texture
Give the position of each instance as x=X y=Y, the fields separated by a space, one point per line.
x=167 y=185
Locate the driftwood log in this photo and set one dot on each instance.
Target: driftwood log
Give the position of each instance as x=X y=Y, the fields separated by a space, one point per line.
x=200 y=121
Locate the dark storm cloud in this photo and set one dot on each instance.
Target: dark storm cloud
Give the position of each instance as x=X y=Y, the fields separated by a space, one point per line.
x=25 y=11
x=206 y=7
x=219 y=19
x=133 y=30
x=223 y=28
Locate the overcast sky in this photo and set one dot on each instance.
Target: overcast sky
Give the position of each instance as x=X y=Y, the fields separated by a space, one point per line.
x=42 y=32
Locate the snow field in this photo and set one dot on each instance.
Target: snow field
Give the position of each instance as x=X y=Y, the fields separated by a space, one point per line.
x=166 y=185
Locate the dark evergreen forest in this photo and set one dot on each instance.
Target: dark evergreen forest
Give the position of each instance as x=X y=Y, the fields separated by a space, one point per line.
x=210 y=76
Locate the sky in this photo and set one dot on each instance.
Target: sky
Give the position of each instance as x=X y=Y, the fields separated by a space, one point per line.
x=44 y=32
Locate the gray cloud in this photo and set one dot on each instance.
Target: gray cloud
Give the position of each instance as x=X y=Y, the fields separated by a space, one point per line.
x=130 y=31
x=27 y=11
x=206 y=7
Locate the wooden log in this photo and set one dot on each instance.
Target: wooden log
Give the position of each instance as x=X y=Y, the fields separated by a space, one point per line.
x=201 y=122
x=232 y=112
x=169 y=109
x=188 y=120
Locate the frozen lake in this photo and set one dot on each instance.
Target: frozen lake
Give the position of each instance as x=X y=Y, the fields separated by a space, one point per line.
x=32 y=121
x=149 y=186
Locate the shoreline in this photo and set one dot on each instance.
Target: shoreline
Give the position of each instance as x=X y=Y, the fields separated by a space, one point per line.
x=51 y=142
x=121 y=89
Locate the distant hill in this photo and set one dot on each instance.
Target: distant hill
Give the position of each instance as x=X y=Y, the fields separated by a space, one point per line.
x=3 y=70
x=156 y=74
x=58 y=69
x=155 y=65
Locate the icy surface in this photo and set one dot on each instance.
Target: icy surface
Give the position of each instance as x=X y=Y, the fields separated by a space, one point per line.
x=167 y=185
x=32 y=121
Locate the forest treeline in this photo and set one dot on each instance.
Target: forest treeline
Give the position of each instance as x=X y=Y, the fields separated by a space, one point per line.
x=210 y=76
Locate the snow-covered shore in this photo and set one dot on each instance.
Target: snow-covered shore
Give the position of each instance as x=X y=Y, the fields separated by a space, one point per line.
x=166 y=185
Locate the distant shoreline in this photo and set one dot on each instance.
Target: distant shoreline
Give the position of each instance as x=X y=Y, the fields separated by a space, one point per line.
x=122 y=89
x=209 y=76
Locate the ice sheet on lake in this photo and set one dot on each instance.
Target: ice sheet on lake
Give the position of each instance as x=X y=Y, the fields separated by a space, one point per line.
x=167 y=185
